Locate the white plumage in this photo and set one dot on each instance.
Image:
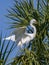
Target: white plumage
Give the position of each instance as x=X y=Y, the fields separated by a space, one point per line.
x=21 y=37
x=10 y=38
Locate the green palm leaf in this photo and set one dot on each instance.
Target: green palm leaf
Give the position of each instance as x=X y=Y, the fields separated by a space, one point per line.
x=4 y=52
x=23 y=12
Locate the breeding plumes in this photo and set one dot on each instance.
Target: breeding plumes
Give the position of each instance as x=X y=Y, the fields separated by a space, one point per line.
x=22 y=37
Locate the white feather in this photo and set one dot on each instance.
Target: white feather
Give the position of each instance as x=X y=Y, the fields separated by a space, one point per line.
x=22 y=37
x=10 y=38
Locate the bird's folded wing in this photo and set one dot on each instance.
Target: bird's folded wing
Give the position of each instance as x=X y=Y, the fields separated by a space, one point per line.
x=19 y=33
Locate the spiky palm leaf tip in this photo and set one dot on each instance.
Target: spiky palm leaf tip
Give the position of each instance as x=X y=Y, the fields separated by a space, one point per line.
x=22 y=13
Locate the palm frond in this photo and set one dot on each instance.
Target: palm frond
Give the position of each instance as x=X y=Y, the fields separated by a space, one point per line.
x=4 y=52
x=23 y=12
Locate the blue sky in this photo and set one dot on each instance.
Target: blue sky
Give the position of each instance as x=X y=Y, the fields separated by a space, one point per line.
x=4 y=5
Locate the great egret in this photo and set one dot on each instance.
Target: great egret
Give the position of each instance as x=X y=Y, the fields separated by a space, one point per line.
x=22 y=37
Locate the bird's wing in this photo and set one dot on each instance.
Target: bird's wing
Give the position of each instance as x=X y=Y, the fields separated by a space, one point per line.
x=10 y=38
x=19 y=33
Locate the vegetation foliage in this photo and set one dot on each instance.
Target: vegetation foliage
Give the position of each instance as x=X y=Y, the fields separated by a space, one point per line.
x=22 y=12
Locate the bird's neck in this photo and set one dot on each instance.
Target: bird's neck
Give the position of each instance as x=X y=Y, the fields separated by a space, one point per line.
x=34 y=28
x=32 y=35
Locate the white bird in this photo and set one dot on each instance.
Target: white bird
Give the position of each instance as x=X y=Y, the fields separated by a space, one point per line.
x=22 y=38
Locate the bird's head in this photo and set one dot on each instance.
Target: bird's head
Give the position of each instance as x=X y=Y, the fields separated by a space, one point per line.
x=33 y=21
